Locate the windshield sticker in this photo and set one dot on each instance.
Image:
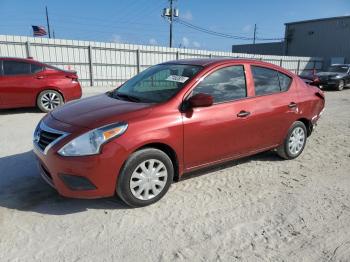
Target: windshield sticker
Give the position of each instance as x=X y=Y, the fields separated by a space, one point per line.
x=175 y=78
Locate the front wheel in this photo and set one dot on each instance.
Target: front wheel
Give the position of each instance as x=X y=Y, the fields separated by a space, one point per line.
x=145 y=177
x=295 y=141
x=340 y=86
x=49 y=100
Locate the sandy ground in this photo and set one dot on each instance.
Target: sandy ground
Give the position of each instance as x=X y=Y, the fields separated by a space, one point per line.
x=257 y=209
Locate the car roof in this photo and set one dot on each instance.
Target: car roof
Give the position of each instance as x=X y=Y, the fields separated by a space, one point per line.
x=216 y=61
x=20 y=59
x=340 y=65
x=208 y=62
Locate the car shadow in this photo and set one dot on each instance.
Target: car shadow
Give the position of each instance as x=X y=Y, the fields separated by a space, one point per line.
x=22 y=188
x=264 y=156
x=332 y=89
x=15 y=111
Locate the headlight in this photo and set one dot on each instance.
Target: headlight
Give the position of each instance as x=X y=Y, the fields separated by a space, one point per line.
x=91 y=142
x=336 y=77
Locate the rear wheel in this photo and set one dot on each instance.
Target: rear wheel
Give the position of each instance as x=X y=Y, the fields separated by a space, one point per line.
x=340 y=86
x=49 y=100
x=145 y=177
x=295 y=141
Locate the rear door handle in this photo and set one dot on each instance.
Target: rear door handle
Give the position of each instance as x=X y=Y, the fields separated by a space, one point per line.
x=39 y=77
x=292 y=105
x=243 y=113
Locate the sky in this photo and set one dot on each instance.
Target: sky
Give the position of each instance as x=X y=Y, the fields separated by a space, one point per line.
x=140 y=21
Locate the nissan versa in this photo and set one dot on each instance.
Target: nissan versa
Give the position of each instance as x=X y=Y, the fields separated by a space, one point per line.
x=170 y=119
x=29 y=83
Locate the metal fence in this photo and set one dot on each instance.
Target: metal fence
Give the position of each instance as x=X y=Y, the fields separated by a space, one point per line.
x=104 y=64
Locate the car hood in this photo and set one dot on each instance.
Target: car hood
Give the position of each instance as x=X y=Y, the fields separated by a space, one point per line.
x=96 y=111
x=330 y=74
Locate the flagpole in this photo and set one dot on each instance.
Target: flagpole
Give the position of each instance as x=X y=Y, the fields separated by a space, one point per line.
x=48 y=22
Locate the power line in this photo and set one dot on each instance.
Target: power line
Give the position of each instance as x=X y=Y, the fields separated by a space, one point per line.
x=224 y=35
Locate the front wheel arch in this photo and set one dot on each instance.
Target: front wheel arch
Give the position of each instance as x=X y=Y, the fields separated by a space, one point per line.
x=123 y=185
x=167 y=150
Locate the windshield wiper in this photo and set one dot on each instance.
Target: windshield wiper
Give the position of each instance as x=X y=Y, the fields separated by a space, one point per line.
x=126 y=97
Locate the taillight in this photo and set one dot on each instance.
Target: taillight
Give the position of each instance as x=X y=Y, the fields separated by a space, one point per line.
x=320 y=94
x=73 y=77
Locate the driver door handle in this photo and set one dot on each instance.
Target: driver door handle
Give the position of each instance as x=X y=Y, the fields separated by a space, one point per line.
x=243 y=113
x=292 y=105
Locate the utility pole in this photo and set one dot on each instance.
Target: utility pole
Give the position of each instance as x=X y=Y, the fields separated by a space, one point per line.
x=254 y=34
x=48 y=22
x=170 y=13
x=171 y=24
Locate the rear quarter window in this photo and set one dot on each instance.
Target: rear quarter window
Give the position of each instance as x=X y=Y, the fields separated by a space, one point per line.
x=285 y=81
x=35 y=68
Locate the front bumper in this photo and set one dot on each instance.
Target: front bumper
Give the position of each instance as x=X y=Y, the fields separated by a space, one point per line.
x=329 y=83
x=82 y=177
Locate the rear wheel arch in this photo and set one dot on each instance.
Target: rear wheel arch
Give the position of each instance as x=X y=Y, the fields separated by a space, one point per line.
x=57 y=100
x=48 y=89
x=308 y=124
x=294 y=142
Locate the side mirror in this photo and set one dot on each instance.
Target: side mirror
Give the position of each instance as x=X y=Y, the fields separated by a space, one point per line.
x=200 y=100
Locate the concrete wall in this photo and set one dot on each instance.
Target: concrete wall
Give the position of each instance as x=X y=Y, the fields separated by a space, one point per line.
x=110 y=64
x=260 y=48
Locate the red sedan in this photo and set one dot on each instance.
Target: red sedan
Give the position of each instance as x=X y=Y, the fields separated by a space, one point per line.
x=170 y=119
x=29 y=83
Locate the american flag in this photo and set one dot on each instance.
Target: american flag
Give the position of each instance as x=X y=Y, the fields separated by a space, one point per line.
x=39 y=30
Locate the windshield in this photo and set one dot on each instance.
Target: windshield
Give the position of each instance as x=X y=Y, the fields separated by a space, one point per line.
x=156 y=84
x=338 y=69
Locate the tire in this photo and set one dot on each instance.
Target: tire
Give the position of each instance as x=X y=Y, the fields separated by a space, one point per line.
x=340 y=86
x=295 y=141
x=49 y=100
x=136 y=187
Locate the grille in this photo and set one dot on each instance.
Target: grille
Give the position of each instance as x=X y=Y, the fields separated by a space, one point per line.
x=46 y=138
x=323 y=78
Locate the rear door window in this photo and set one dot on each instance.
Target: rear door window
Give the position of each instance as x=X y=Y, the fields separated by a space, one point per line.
x=265 y=80
x=15 y=68
x=269 y=81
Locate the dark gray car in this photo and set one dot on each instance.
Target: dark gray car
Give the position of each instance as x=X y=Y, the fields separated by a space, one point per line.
x=336 y=77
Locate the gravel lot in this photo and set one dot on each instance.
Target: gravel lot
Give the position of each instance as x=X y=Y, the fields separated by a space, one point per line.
x=257 y=209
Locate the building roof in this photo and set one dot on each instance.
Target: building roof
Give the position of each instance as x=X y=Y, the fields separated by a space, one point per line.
x=318 y=20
